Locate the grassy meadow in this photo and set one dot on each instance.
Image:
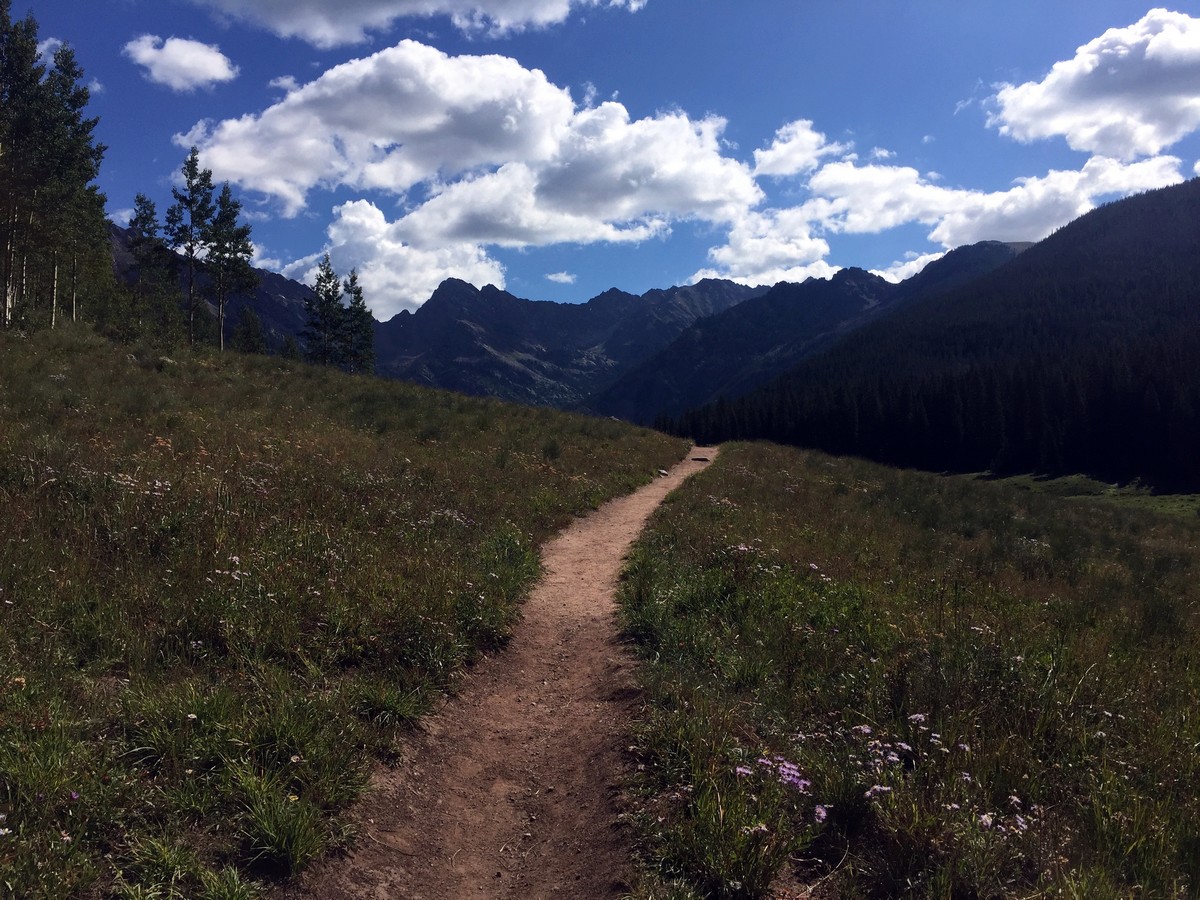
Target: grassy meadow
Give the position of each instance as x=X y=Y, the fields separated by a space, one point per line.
x=880 y=683
x=227 y=582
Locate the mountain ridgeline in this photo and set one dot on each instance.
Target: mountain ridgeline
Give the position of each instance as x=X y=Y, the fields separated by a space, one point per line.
x=553 y=354
x=731 y=353
x=1082 y=354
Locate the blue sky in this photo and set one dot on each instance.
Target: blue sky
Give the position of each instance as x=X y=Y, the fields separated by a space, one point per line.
x=561 y=147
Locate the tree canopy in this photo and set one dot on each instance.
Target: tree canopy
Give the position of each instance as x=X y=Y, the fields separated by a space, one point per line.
x=52 y=224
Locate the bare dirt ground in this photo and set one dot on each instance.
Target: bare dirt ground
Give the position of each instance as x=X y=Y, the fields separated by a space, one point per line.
x=511 y=789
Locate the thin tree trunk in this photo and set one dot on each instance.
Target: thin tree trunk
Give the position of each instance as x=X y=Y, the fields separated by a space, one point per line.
x=10 y=284
x=74 y=286
x=54 y=293
x=191 y=302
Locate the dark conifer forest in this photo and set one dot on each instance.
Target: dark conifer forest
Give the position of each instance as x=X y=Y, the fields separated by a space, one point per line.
x=1081 y=355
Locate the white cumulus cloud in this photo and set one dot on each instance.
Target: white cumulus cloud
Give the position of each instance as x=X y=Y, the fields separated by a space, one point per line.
x=179 y=63
x=845 y=197
x=903 y=269
x=1130 y=92
x=561 y=277
x=796 y=149
x=486 y=152
x=768 y=247
x=394 y=119
x=394 y=274
x=329 y=23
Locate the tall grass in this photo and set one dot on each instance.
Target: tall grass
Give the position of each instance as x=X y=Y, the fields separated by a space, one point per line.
x=896 y=684
x=225 y=583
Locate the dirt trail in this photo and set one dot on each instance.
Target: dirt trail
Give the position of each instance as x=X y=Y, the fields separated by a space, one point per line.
x=510 y=790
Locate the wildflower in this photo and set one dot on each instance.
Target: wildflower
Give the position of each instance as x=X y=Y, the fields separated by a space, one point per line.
x=862 y=729
x=876 y=790
x=296 y=758
x=743 y=771
x=66 y=838
x=986 y=820
x=966 y=776
x=74 y=795
x=820 y=813
x=1022 y=822
x=760 y=828
x=192 y=717
x=5 y=832
x=917 y=718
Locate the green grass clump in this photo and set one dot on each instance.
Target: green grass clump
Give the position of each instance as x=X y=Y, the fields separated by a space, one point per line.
x=901 y=684
x=227 y=582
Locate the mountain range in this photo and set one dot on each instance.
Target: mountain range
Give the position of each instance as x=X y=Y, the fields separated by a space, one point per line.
x=636 y=357
x=1078 y=353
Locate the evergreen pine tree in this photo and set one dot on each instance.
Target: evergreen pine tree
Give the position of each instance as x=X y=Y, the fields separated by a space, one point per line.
x=229 y=255
x=189 y=226
x=359 y=331
x=52 y=226
x=156 y=291
x=326 y=315
x=248 y=337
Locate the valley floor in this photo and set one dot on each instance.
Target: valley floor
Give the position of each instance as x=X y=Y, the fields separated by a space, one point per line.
x=511 y=789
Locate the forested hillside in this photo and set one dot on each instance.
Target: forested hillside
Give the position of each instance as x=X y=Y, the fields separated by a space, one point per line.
x=1080 y=356
x=731 y=353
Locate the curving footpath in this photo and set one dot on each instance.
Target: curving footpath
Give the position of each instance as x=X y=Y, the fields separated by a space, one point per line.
x=511 y=789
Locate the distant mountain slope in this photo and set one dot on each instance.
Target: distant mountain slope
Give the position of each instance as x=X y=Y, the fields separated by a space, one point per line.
x=487 y=341
x=278 y=302
x=733 y=352
x=1081 y=355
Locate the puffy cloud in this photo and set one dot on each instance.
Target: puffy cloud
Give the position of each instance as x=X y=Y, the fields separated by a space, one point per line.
x=561 y=277
x=503 y=208
x=326 y=23
x=669 y=165
x=906 y=268
x=768 y=247
x=501 y=156
x=871 y=199
x=394 y=274
x=796 y=149
x=1130 y=92
x=389 y=121
x=610 y=180
x=1034 y=207
x=46 y=50
x=782 y=244
x=180 y=64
